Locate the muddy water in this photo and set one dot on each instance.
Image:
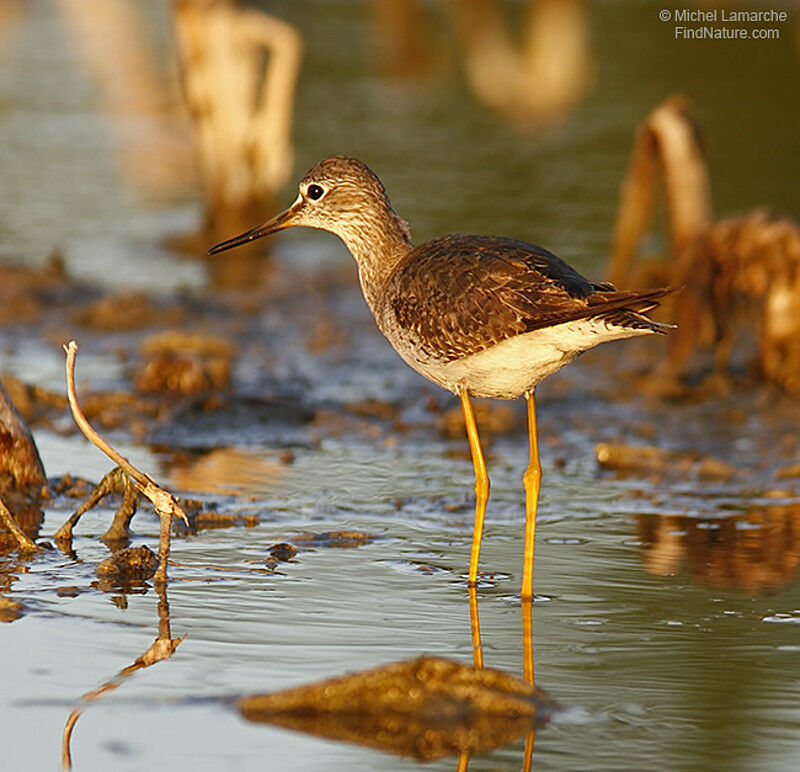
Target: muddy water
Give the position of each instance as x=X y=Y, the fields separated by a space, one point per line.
x=667 y=618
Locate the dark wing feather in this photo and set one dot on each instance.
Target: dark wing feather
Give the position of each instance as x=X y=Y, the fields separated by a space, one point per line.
x=459 y=294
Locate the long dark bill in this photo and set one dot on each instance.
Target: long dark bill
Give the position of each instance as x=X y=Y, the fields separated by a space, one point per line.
x=279 y=222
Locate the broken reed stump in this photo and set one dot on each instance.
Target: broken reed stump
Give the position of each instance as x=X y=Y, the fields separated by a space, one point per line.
x=425 y=708
x=239 y=69
x=739 y=274
x=536 y=79
x=22 y=478
x=666 y=143
x=165 y=504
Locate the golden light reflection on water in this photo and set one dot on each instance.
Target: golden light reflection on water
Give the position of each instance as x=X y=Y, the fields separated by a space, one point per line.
x=756 y=553
x=231 y=471
x=536 y=193
x=110 y=42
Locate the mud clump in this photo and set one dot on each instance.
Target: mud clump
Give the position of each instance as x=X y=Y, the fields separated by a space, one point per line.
x=425 y=708
x=336 y=539
x=374 y=408
x=186 y=365
x=112 y=409
x=10 y=610
x=788 y=472
x=25 y=291
x=282 y=551
x=116 y=409
x=125 y=312
x=651 y=460
x=129 y=566
x=33 y=402
x=72 y=487
x=204 y=521
x=68 y=591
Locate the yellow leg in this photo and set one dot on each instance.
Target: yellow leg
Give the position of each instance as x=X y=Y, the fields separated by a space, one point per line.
x=527 y=669
x=531 y=480
x=527 y=641
x=527 y=758
x=477 y=658
x=481 y=484
x=475 y=629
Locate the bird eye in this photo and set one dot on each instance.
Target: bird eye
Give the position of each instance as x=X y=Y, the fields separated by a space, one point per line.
x=314 y=192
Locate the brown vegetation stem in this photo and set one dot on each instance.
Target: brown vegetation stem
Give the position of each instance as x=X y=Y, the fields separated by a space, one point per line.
x=142 y=479
x=7 y=519
x=165 y=504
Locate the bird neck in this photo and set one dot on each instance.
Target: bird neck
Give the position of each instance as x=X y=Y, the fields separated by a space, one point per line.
x=378 y=247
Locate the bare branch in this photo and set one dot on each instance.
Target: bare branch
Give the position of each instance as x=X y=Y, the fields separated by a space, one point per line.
x=164 y=502
x=7 y=519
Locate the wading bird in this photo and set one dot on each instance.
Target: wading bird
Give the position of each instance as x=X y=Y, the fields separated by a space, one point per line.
x=481 y=316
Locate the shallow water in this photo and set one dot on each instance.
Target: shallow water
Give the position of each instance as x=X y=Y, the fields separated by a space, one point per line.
x=667 y=608
x=648 y=665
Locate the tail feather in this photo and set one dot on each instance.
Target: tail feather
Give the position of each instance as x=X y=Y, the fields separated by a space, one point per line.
x=606 y=302
x=628 y=308
x=635 y=320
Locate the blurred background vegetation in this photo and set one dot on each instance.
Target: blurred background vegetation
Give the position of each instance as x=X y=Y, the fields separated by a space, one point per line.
x=99 y=159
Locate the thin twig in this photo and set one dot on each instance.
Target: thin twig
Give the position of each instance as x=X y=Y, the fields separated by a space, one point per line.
x=165 y=504
x=162 y=500
x=7 y=519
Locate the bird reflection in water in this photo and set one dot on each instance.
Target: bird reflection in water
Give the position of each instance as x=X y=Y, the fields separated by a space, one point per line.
x=527 y=666
x=162 y=648
x=755 y=553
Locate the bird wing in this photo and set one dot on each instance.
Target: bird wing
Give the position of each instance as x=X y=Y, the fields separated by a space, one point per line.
x=458 y=294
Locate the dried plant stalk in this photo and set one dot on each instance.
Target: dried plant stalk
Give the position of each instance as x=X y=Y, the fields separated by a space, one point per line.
x=165 y=504
x=7 y=519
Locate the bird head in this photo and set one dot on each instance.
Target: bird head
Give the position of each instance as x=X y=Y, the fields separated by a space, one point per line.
x=341 y=195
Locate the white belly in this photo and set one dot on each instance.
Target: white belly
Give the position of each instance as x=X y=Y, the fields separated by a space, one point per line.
x=514 y=366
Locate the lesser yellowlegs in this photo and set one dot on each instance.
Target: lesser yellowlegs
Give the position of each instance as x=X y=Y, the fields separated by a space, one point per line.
x=481 y=316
